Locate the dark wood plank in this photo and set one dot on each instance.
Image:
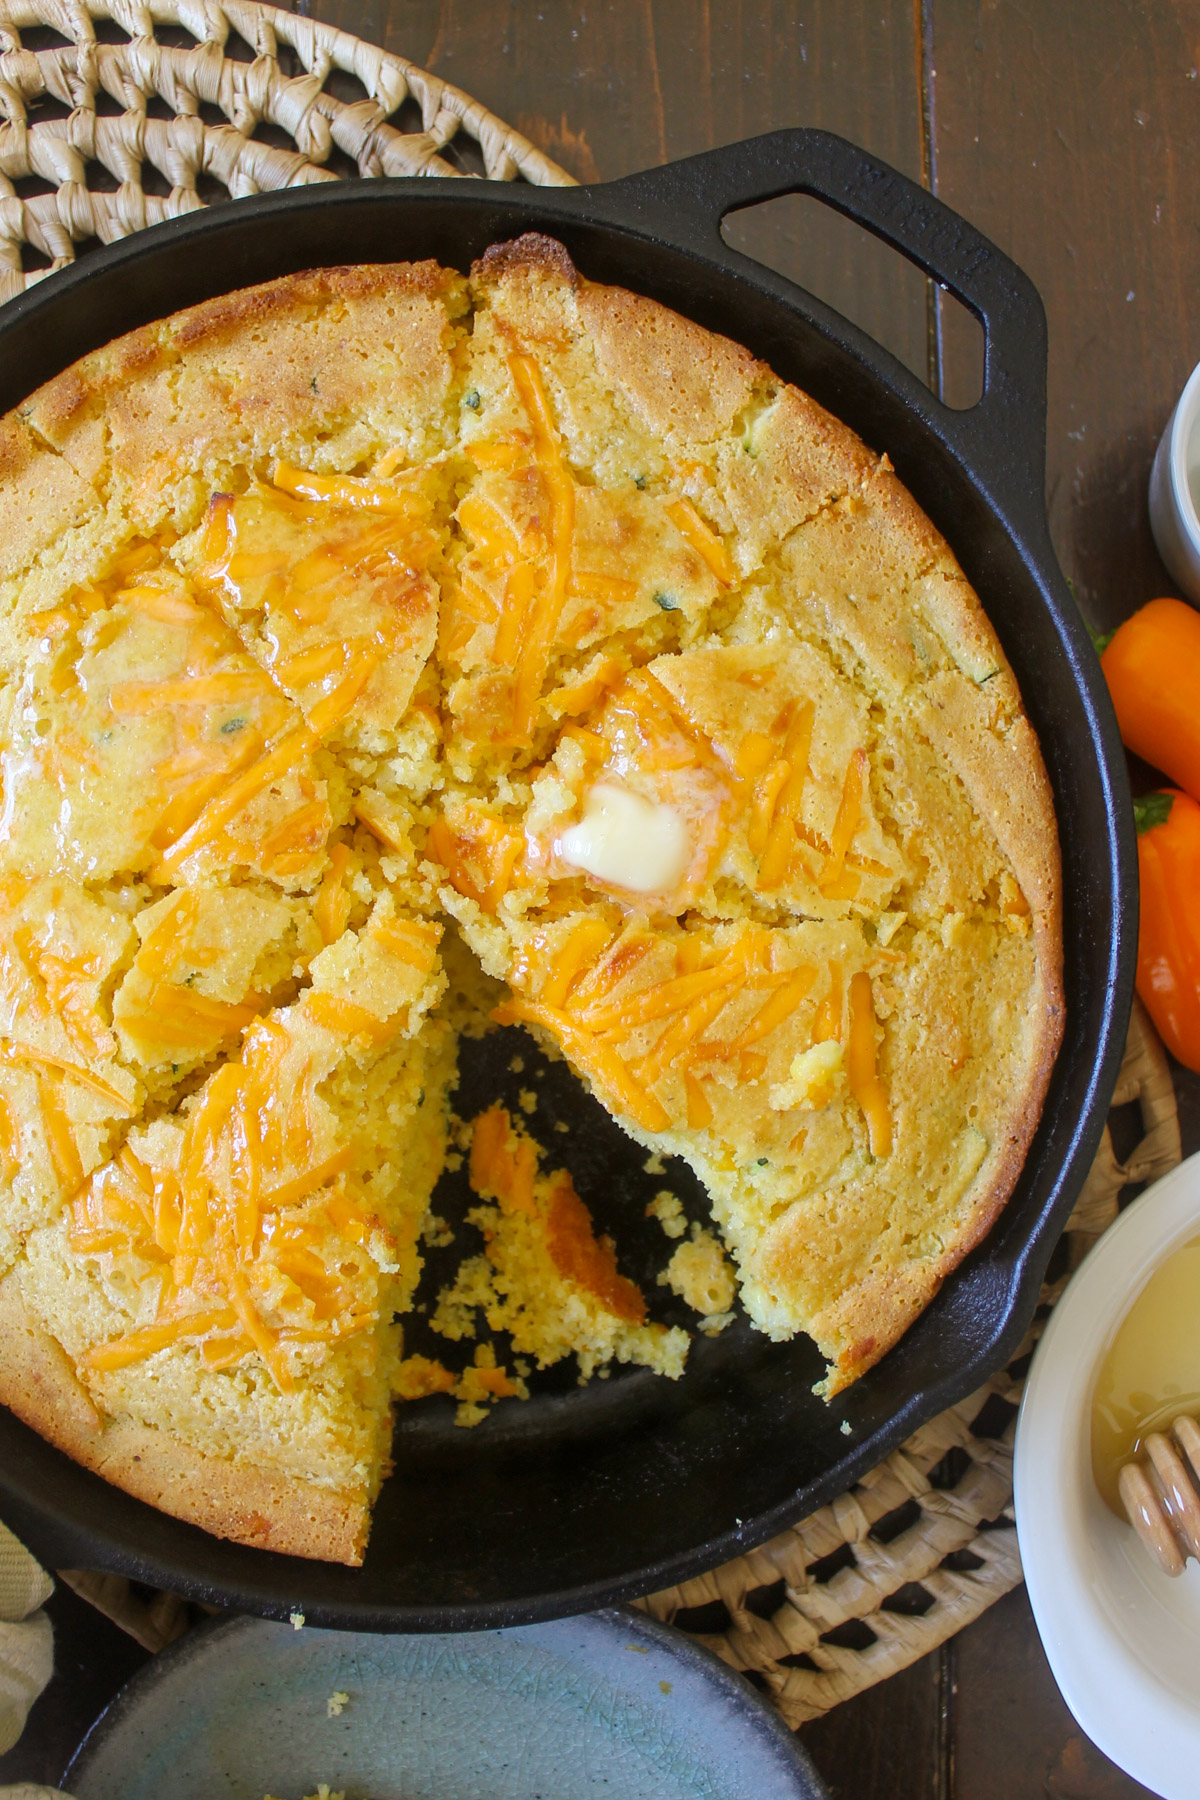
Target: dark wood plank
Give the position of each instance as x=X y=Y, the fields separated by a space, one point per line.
x=1068 y=134
x=1065 y=133
x=1014 y=1736
x=894 y=1739
x=625 y=85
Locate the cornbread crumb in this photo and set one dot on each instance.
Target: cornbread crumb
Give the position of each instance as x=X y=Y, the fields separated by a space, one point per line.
x=654 y=1165
x=419 y=1376
x=336 y=1705
x=667 y=1208
x=324 y=1792
x=701 y=1275
x=887 y=926
x=716 y=1324
x=952 y=929
x=814 y=1079
x=482 y=1384
x=296 y=1620
x=527 y=1100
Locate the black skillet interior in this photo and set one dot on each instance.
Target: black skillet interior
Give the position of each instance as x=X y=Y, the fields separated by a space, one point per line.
x=581 y=1497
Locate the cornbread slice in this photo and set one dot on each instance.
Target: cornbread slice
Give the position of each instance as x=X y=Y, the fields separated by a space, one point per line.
x=222 y=1095
x=373 y=599
x=802 y=806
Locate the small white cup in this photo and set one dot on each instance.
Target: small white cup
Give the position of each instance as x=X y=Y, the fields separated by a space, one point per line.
x=1174 y=519
x=1122 y=1638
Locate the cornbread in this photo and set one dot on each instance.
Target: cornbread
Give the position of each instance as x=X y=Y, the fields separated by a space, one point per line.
x=375 y=613
x=545 y=1278
x=699 y=1272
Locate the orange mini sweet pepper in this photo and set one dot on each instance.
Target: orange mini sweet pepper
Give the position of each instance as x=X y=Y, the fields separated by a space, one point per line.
x=1152 y=666
x=1168 y=968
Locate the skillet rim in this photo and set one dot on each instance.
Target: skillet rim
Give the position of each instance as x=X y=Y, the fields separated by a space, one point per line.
x=647 y=211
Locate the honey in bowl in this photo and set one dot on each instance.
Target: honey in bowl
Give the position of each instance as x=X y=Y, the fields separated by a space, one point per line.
x=1151 y=1372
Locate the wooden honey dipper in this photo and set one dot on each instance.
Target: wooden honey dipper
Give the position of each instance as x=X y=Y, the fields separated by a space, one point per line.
x=1162 y=1502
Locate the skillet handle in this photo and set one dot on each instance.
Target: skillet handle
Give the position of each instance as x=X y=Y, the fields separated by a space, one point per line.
x=1003 y=436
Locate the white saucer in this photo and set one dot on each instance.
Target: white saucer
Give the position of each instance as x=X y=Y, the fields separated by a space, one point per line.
x=1122 y=1638
x=1173 y=477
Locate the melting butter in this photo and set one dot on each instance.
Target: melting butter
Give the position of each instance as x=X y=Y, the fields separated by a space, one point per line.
x=1152 y=1370
x=628 y=841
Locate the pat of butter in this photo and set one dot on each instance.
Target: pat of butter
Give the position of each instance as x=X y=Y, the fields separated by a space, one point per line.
x=627 y=840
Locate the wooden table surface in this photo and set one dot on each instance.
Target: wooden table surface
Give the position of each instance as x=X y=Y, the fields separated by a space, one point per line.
x=1069 y=132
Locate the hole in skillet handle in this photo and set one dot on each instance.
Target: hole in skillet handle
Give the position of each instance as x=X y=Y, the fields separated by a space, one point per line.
x=877 y=288
x=1002 y=438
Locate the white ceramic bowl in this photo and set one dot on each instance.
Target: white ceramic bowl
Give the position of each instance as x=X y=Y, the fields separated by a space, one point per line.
x=1174 y=519
x=1122 y=1638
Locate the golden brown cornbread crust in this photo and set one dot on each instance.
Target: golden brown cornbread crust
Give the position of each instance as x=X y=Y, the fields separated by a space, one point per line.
x=249 y=1505
x=828 y=546
x=109 y=418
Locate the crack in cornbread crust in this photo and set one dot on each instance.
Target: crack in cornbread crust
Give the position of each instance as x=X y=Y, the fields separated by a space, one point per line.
x=252 y=1506
x=140 y=433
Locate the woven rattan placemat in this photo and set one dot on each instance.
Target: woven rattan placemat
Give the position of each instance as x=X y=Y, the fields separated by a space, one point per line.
x=115 y=115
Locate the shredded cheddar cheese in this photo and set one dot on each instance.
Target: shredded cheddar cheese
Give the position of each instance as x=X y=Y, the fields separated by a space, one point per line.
x=345 y=490
x=584 y=946
x=478 y=856
x=13 y=1051
x=60 y=1141
x=703 y=539
x=332 y=909
x=178 y=1016
x=226 y=1222
x=503 y=1163
x=541 y=610
x=699 y=1107
x=861 y=1072
x=845 y=826
x=582 y=999
x=598 y=1061
x=504 y=1168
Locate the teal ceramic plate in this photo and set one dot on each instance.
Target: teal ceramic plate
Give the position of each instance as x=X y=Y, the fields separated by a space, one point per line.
x=609 y=1704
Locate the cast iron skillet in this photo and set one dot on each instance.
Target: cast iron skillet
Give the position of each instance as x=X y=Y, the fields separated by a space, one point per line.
x=585 y=1497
